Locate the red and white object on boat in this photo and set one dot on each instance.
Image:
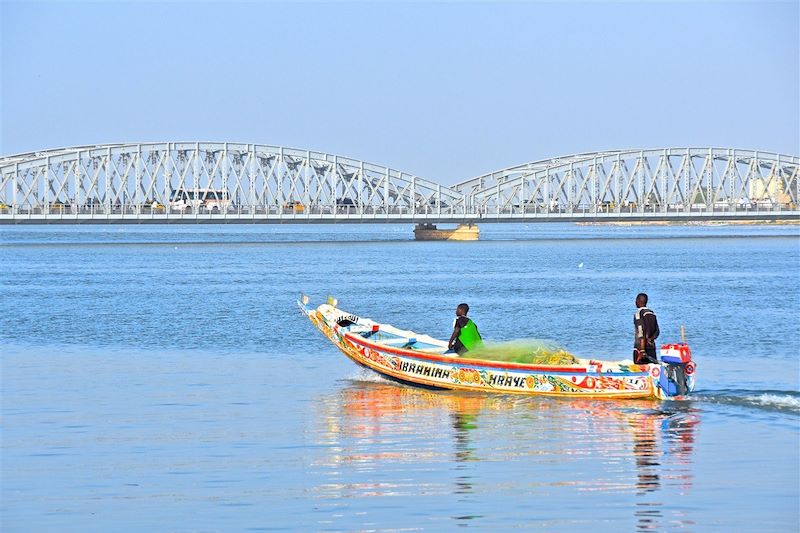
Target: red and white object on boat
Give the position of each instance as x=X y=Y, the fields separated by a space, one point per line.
x=676 y=353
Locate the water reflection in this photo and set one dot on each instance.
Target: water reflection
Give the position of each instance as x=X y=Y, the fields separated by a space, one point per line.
x=464 y=422
x=666 y=432
x=646 y=451
x=383 y=439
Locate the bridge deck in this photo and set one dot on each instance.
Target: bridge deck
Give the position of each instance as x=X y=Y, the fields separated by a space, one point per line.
x=254 y=217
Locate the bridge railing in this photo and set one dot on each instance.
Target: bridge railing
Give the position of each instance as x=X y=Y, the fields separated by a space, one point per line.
x=60 y=211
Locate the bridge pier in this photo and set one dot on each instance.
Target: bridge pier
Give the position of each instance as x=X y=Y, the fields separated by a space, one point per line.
x=429 y=232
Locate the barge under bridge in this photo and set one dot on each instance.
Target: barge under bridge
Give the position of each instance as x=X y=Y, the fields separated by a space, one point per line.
x=219 y=182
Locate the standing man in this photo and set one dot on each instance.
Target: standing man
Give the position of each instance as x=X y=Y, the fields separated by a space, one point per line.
x=645 y=332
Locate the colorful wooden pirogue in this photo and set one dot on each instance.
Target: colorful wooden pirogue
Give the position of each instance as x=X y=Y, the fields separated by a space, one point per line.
x=423 y=361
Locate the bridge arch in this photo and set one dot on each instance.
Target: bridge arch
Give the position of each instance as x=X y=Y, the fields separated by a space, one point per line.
x=124 y=180
x=665 y=180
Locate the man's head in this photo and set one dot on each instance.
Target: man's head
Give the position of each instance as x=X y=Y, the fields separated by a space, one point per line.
x=462 y=310
x=641 y=300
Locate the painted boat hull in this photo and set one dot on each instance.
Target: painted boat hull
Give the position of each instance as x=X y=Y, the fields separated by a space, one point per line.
x=589 y=379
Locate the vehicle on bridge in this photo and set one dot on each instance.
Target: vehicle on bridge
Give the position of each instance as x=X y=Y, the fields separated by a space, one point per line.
x=293 y=206
x=199 y=200
x=346 y=205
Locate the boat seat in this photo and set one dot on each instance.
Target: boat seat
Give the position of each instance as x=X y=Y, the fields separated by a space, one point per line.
x=419 y=345
x=396 y=342
x=438 y=350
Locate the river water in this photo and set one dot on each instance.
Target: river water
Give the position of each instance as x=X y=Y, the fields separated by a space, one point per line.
x=162 y=379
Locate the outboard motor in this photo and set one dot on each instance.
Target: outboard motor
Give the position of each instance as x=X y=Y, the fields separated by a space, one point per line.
x=677 y=369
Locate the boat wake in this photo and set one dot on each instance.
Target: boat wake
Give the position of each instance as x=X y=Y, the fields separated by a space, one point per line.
x=773 y=400
x=364 y=375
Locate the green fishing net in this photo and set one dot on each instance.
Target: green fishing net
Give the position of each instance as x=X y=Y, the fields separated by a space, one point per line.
x=529 y=351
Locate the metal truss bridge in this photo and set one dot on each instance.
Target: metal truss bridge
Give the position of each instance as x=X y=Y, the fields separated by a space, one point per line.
x=207 y=182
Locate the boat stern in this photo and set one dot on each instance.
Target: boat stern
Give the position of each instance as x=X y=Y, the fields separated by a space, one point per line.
x=674 y=377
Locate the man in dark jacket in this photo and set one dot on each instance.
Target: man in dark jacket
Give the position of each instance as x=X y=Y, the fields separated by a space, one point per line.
x=645 y=332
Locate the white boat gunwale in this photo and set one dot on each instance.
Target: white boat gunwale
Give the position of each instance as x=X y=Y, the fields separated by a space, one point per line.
x=465 y=361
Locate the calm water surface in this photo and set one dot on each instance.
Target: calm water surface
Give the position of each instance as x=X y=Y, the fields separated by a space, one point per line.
x=161 y=379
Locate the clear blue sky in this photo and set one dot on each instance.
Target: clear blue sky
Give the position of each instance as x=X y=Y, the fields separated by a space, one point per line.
x=444 y=90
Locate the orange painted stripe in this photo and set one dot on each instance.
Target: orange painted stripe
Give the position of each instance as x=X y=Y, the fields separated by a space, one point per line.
x=454 y=386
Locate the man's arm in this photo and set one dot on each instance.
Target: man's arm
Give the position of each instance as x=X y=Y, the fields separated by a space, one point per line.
x=650 y=327
x=454 y=336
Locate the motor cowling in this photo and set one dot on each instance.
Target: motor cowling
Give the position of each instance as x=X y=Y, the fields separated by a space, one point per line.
x=677 y=369
x=676 y=353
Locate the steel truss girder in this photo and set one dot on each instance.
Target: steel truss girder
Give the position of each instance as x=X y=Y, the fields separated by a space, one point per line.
x=124 y=181
x=664 y=181
x=260 y=180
